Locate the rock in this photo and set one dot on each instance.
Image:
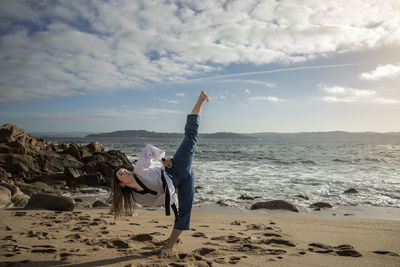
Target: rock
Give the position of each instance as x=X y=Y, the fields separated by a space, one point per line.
x=5 y=197
x=25 y=158
x=85 y=152
x=18 y=198
x=197 y=189
x=3 y=174
x=274 y=205
x=50 y=202
x=92 y=179
x=9 y=133
x=16 y=163
x=72 y=172
x=73 y=150
x=36 y=187
x=244 y=197
x=321 y=205
x=98 y=204
x=303 y=197
x=95 y=147
x=12 y=187
x=351 y=191
x=222 y=203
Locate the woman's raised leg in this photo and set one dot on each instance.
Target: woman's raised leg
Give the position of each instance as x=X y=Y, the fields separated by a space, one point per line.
x=183 y=158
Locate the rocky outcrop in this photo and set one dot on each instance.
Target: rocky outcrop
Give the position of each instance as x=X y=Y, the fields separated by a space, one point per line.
x=25 y=158
x=274 y=205
x=36 y=166
x=50 y=202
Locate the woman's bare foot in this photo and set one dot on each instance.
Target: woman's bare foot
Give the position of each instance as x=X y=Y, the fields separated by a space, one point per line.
x=203 y=96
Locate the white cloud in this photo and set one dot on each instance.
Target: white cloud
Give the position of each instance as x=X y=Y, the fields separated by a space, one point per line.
x=247 y=91
x=72 y=47
x=180 y=94
x=267 y=98
x=386 y=71
x=101 y=114
x=336 y=93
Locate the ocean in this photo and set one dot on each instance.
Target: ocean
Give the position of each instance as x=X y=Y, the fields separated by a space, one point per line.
x=281 y=167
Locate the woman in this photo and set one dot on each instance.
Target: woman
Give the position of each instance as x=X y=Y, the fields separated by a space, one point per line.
x=154 y=186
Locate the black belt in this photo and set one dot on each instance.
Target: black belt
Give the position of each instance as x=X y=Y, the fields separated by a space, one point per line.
x=147 y=190
x=167 y=198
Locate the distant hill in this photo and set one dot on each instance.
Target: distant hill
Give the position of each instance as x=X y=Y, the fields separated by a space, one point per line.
x=151 y=134
x=331 y=136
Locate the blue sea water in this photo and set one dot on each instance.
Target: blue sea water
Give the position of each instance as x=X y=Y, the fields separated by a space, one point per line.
x=283 y=168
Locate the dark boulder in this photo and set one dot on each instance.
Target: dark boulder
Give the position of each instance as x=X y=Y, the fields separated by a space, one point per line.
x=351 y=191
x=99 y=204
x=321 y=205
x=73 y=150
x=92 y=179
x=274 y=205
x=72 y=172
x=50 y=202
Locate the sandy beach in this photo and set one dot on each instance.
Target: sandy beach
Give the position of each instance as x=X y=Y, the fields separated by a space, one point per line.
x=91 y=237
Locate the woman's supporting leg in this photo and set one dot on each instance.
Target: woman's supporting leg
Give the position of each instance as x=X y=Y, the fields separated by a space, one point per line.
x=182 y=173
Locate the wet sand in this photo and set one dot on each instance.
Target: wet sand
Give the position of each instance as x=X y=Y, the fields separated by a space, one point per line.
x=91 y=237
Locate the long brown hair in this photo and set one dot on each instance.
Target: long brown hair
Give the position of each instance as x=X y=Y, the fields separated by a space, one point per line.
x=122 y=198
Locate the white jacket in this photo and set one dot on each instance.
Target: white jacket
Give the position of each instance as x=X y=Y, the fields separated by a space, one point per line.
x=150 y=176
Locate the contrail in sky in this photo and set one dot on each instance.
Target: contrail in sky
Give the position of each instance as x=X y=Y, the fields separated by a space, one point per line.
x=272 y=71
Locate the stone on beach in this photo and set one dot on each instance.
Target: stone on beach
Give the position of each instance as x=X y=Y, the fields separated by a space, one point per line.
x=321 y=205
x=274 y=205
x=50 y=202
x=5 y=197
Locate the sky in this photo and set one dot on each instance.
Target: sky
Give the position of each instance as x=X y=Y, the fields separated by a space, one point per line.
x=268 y=66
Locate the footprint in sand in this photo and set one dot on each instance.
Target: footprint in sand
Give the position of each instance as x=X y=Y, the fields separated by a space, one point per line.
x=199 y=234
x=162 y=226
x=279 y=242
x=341 y=250
x=142 y=237
x=381 y=252
x=272 y=234
x=43 y=249
x=237 y=222
x=203 y=251
x=234 y=260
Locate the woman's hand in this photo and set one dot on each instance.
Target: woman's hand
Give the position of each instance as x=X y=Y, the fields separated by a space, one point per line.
x=167 y=163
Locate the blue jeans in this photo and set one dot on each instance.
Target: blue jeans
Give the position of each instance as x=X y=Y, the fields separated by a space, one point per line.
x=182 y=173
